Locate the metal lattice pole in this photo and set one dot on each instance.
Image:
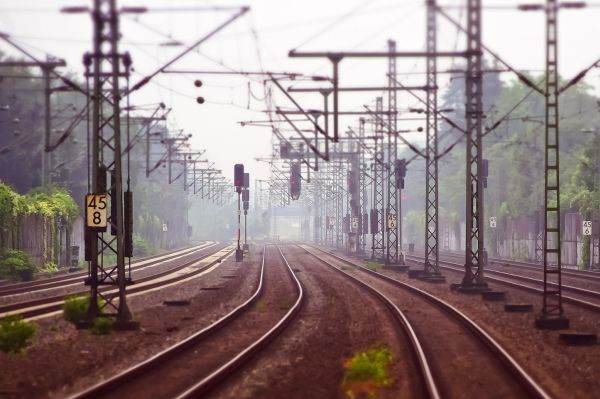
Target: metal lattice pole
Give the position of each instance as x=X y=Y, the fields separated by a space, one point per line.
x=393 y=200
x=363 y=187
x=431 y=267
x=552 y=310
x=108 y=68
x=377 y=248
x=473 y=278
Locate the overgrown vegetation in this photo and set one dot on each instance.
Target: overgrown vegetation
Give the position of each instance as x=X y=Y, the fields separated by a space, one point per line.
x=49 y=202
x=367 y=372
x=16 y=265
x=15 y=334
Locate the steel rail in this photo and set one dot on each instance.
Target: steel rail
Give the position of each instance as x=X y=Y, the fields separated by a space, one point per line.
x=233 y=365
x=512 y=366
x=42 y=306
x=595 y=307
x=227 y=369
x=431 y=386
x=73 y=278
x=589 y=274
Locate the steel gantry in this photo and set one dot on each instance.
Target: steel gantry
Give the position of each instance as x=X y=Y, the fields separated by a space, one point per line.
x=474 y=264
x=431 y=265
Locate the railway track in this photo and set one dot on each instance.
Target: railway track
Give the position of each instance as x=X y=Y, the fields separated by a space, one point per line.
x=79 y=277
x=566 y=272
x=469 y=338
x=197 y=354
x=190 y=268
x=428 y=382
x=579 y=296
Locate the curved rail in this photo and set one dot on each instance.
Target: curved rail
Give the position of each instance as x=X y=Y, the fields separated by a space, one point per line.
x=431 y=386
x=512 y=366
x=42 y=306
x=223 y=371
x=456 y=267
x=78 y=277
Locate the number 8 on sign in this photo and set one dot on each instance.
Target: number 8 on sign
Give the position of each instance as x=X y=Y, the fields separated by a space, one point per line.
x=96 y=211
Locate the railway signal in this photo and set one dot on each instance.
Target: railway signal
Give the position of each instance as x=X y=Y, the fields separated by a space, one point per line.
x=246 y=201
x=238 y=182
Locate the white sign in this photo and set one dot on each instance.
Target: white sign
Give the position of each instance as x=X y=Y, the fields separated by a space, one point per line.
x=587 y=227
x=493 y=222
x=165 y=228
x=391 y=221
x=96 y=211
x=355 y=223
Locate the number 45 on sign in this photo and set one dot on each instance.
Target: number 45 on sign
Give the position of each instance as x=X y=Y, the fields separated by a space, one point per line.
x=587 y=227
x=96 y=211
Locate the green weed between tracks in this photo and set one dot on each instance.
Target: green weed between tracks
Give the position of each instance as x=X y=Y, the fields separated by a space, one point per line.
x=372 y=265
x=367 y=372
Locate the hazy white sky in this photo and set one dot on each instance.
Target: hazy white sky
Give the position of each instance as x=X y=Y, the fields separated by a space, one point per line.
x=264 y=37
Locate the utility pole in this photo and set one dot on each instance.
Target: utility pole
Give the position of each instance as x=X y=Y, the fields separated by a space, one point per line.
x=431 y=270
x=393 y=215
x=552 y=314
x=106 y=67
x=377 y=221
x=474 y=279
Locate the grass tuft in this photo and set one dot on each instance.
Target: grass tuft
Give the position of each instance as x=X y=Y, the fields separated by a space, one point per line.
x=372 y=265
x=367 y=372
x=102 y=326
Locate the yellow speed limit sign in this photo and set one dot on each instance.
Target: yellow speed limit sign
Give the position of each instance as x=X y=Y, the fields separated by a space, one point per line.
x=96 y=206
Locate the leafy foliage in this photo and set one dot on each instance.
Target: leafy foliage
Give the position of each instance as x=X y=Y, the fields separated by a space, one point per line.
x=15 y=334
x=49 y=202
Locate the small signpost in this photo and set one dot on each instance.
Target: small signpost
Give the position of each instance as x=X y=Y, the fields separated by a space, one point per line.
x=493 y=222
x=587 y=227
x=391 y=221
x=96 y=211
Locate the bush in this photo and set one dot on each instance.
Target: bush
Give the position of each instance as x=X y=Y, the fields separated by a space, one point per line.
x=141 y=247
x=102 y=325
x=48 y=268
x=75 y=308
x=16 y=265
x=366 y=372
x=15 y=334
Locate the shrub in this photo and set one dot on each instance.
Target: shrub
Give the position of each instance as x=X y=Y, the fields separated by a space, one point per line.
x=48 y=268
x=366 y=372
x=15 y=334
x=141 y=247
x=75 y=308
x=16 y=265
x=102 y=325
